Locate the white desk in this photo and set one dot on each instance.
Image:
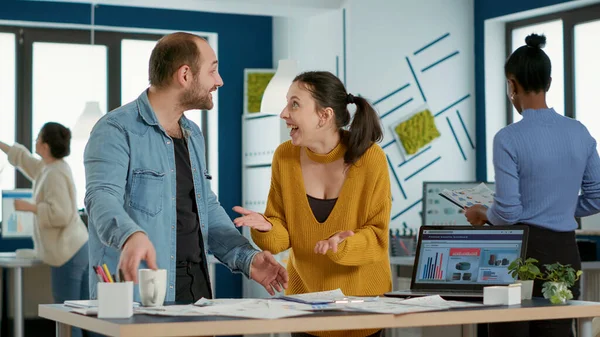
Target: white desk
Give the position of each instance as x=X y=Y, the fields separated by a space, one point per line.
x=10 y=261
x=144 y=325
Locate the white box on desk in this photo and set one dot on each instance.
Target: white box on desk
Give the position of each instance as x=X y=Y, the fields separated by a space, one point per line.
x=115 y=299
x=503 y=295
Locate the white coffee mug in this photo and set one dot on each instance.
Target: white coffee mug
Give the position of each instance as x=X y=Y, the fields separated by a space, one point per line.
x=153 y=286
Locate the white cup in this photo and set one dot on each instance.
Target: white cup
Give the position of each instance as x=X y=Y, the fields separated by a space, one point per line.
x=153 y=286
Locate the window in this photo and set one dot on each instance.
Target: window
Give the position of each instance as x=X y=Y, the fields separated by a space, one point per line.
x=570 y=44
x=7 y=106
x=587 y=72
x=60 y=94
x=135 y=56
x=60 y=72
x=553 y=31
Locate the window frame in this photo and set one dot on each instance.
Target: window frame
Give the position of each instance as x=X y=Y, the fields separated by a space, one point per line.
x=570 y=19
x=26 y=36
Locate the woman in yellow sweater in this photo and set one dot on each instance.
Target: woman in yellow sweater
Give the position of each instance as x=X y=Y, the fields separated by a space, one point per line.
x=330 y=198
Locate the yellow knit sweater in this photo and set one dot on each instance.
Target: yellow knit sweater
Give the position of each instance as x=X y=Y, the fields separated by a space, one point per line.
x=361 y=265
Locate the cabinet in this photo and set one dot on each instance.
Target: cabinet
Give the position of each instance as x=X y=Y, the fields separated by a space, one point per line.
x=261 y=135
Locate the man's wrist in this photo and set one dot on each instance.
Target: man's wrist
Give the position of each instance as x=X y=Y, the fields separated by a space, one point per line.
x=250 y=262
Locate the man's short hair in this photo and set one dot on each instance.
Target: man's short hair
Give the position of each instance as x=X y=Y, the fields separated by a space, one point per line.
x=170 y=53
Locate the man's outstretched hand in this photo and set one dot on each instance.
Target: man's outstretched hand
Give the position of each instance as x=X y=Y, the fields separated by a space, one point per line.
x=268 y=272
x=137 y=248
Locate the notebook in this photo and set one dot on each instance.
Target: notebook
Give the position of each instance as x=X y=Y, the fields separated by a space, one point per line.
x=458 y=261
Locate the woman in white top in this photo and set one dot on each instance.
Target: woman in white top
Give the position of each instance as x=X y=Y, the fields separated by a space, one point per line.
x=60 y=236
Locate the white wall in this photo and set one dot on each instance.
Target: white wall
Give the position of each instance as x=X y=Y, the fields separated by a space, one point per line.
x=380 y=37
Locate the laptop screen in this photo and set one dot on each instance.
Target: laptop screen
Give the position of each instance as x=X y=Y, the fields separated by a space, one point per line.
x=468 y=256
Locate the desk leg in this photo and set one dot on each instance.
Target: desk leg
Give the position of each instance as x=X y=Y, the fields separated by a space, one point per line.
x=1 y=297
x=18 y=301
x=63 y=330
x=584 y=327
x=582 y=287
x=469 y=330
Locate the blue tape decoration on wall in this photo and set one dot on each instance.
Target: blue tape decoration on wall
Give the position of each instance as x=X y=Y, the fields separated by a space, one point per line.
x=396 y=176
x=432 y=43
x=422 y=168
x=337 y=66
x=420 y=162
x=416 y=80
x=391 y=94
x=453 y=104
x=406 y=209
x=415 y=156
x=439 y=61
x=456 y=139
x=260 y=116
x=258 y=166
x=396 y=108
x=465 y=128
x=388 y=144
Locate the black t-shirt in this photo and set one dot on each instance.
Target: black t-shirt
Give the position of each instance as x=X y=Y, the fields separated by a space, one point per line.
x=189 y=236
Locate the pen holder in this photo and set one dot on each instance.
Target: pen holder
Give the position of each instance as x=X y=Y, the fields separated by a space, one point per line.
x=115 y=300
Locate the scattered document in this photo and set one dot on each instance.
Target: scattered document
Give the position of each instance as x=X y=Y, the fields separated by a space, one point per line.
x=170 y=310
x=436 y=301
x=480 y=194
x=399 y=306
x=259 y=309
x=298 y=305
x=388 y=306
x=87 y=307
x=324 y=298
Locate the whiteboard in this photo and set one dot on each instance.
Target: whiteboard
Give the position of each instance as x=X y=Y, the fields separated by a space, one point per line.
x=16 y=224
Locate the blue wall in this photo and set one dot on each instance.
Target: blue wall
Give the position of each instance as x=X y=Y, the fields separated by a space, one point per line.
x=488 y=9
x=244 y=42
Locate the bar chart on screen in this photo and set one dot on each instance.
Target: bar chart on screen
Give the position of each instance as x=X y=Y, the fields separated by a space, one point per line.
x=434 y=267
x=16 y=224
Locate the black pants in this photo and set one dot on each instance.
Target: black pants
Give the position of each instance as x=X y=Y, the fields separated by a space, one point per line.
x=547 y=247
x=191 y=282
x=303 y=334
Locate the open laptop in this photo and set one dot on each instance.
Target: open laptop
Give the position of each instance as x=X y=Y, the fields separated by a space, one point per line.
x=458 y=261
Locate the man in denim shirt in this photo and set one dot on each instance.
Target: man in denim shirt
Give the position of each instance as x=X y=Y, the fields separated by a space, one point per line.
x=148 y=191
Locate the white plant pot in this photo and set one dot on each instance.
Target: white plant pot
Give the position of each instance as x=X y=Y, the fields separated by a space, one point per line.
x=526 y=289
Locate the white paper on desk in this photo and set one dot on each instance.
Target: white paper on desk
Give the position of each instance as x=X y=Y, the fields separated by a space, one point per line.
x=436 y=301
x=85 y=311
x=170 y=310
x=204 y=302
x=322 y=297
x=384 y=306
x=87 y=304
x=259 y=309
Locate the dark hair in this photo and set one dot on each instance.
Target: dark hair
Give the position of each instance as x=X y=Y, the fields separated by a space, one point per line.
x=329 y=92
x=170 y=53
x=58 y=138
x=530 y=65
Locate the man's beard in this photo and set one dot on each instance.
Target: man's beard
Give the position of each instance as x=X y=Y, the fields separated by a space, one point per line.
x=193 y=99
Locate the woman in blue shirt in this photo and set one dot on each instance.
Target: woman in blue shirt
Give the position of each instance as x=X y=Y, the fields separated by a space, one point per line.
x=541 y=163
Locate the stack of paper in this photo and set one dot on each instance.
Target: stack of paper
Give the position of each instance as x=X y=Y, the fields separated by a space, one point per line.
x=88 y=307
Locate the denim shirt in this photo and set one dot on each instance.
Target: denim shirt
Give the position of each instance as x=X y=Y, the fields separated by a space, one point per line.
x=131 y=187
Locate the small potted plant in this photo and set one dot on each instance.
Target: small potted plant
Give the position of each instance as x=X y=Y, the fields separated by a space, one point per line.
x=525 y=271
x=559 y=278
